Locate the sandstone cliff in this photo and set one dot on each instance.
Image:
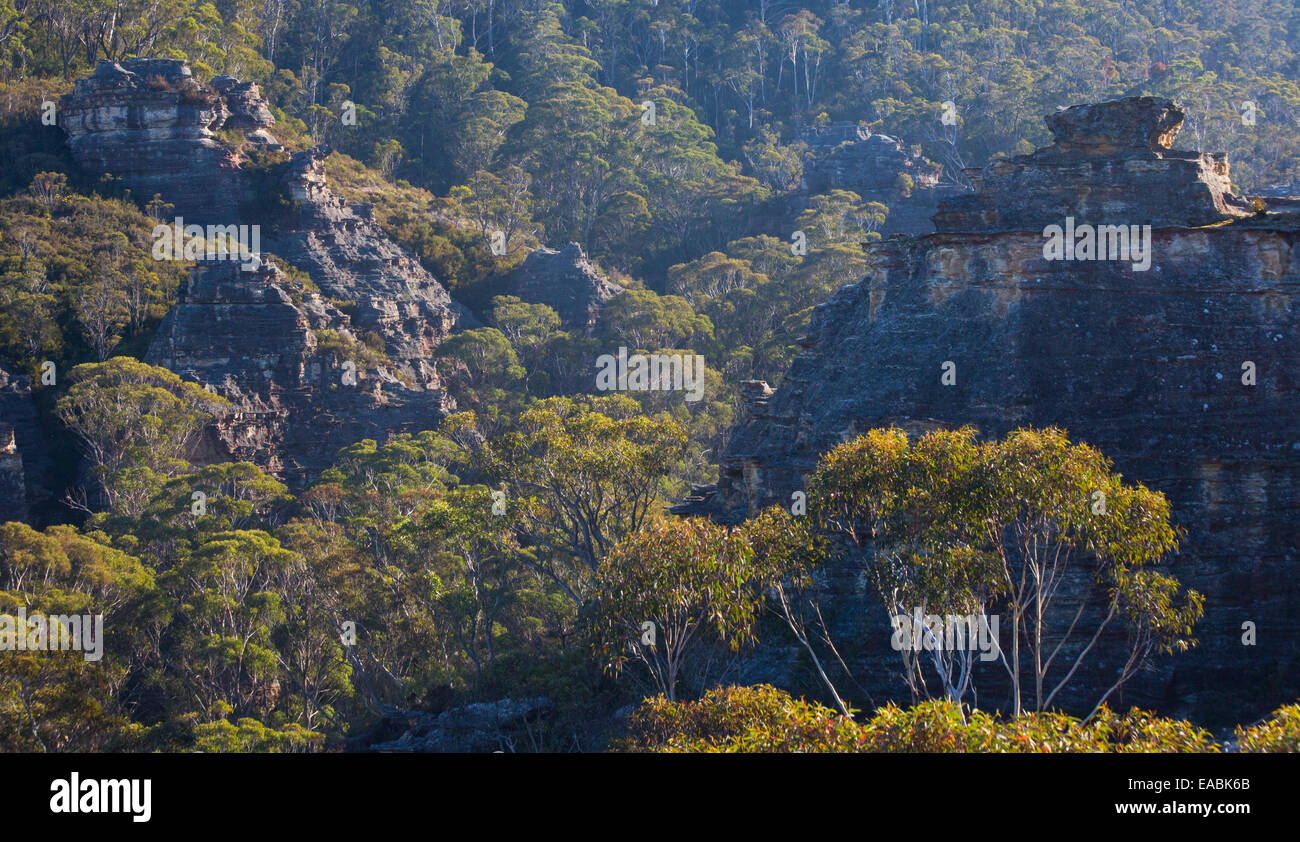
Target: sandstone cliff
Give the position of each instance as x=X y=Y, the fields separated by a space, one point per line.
x=13 y=486
x=349 y=257
x=252 y=336
x=1107 y=165
x=1148 y=366
x=150 y=123
x=25 y=461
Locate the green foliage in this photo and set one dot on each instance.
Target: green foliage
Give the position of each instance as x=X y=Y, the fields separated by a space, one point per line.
x=638 y=318
x=533 y=122
x=1279 y=733
x=78 y=275
x=483 y=598
x=581 y=474
x=457 y=93
x=765 y=719
x=483 y=372
x=62 y=571
x=687 y=578
x=339 y=347
x=60 y=701
x=760 y=719
x=137 y=423
x=57 y=701
x=528 y=327
x=249 y=735
x=236 y=495
x=228 y=595
x=959 y=527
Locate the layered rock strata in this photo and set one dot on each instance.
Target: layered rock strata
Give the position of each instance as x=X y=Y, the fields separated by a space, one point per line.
x=1184 y=374
x=150 y=123
x=255 y=339
x=251 y=335
x=349 y=257
x=1108 y=164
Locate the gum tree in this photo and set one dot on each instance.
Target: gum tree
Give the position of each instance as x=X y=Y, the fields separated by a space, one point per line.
x=1034 y=526
x=787 y=555
x=137 y=424
x=907 y=508
x=664 y=591
x=1060 y=505
x=579 y=474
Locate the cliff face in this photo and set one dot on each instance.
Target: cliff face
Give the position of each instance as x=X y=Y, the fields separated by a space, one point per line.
x=25 y=461
x=349 y=257
x=13 y=486
x=1146 y=365
x=150 y=123
x=252 y=338
x=251 y=335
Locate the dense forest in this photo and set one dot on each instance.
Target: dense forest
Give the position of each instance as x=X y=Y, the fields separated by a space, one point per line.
x=532 y=120
x=520 y=548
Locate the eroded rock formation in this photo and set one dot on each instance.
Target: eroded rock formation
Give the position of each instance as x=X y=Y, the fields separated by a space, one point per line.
x=846 y=156
x=351 y=258
x=1148 y=366
x=152 y=124
x=566 y=281
x=252 y=336
x=1110 y=164
x=255 y=339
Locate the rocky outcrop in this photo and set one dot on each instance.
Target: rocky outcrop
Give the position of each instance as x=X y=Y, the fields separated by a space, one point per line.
x=244 y=104
x=25 y=462
x=1149 y=366
x=150 y=123
x=350 y=258
x=849 y=156
x=251 y=335
x=482 y=727
x=1110 y=164
x=564 y=280
x=255 y=339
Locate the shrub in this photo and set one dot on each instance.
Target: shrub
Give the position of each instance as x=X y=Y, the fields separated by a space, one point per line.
x=250 y=735
x=1280 y=733
x=340 y=346
x=739 y=719
x=766 y=719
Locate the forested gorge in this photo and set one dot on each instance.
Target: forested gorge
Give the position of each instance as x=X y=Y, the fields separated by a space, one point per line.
x=520 y=548
x=530 y=119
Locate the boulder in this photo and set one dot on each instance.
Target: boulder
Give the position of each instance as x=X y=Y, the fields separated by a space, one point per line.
x=480 y=727
x=564 y=280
